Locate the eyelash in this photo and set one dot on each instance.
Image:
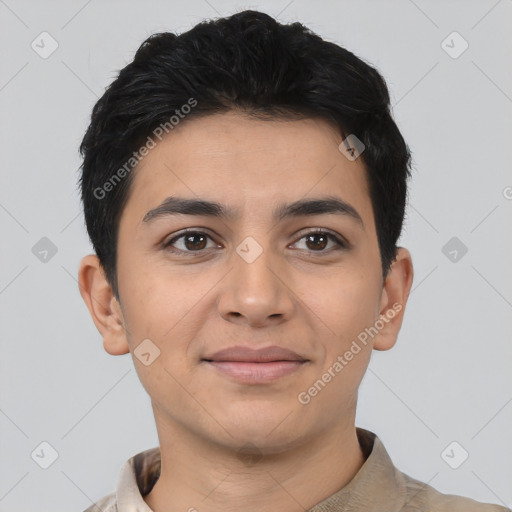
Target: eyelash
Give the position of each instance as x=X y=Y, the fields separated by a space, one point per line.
x=341 y=243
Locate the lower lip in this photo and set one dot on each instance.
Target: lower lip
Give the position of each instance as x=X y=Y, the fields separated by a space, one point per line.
x=254 y=373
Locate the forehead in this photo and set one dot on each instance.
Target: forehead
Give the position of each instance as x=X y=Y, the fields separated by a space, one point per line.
x=248 y=165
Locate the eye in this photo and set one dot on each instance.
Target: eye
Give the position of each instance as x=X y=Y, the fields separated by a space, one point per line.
x=194 y=241
x=189 y=241
x=317 y=240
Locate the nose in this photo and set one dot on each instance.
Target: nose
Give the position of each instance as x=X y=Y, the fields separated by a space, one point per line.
x=256 y=292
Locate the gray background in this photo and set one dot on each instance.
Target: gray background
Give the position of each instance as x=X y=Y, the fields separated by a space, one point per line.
x=447 y=379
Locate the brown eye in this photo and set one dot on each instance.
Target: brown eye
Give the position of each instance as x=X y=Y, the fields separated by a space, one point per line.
x=188 y=242
x=193 y=242
x=318 y=240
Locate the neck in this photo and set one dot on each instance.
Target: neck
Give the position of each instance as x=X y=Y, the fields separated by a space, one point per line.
x=197 y=475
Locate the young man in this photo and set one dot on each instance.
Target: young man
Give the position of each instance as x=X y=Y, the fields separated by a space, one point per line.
x=244 y=187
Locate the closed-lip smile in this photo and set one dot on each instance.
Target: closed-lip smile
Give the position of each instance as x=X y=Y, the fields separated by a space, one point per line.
x=255 y=366
x=249 y=355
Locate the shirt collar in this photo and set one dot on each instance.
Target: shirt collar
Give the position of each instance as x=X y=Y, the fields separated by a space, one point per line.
x=378 y=485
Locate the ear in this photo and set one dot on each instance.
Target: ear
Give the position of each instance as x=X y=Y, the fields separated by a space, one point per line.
x=395 y=293
x=103 y=306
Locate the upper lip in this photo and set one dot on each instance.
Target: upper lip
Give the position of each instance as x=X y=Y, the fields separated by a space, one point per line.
x=250 y=355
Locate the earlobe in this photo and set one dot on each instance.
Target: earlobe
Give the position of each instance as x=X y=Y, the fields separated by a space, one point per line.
x=393 y=299
x=103 y=306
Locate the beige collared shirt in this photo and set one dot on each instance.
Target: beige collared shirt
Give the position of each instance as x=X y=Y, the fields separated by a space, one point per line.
x=377 y=487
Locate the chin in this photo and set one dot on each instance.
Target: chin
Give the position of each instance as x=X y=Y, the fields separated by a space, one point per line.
x=271 y=433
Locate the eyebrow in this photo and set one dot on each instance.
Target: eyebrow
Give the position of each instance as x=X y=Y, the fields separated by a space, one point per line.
x=201 y=207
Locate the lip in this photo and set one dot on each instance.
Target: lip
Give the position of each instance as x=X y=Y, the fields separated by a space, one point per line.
x=240 y=353
x=250 y=366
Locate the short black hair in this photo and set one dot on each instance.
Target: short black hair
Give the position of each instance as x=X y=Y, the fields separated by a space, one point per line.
x=247 y=62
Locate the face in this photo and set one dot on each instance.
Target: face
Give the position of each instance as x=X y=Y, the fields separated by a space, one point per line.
x=307 y=281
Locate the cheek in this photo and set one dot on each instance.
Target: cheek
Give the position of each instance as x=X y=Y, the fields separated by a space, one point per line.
x=153 y=303
x=169 y=318
x=346 y=350
x=350 y=305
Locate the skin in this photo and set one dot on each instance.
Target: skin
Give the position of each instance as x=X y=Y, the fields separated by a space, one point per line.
x=305 y=296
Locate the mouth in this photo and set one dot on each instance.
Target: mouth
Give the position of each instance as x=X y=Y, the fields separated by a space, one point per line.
x=250 y=366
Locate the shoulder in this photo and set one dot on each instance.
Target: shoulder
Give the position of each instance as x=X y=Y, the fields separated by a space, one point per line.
x=106 y=504
x=423 y=497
